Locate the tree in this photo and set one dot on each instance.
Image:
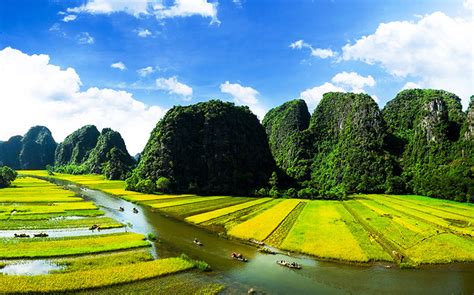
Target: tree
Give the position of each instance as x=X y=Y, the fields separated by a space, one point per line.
x=7 y=175
x=163 y=184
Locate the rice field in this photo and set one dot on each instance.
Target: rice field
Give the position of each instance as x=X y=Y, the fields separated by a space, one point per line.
x=93 y=278
x=363 y=228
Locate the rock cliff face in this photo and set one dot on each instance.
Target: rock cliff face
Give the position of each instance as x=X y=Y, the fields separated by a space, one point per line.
x=211 y=148
x=76 y=147
x=285 y=126
x=469 y=125
x=37 y=149
x=348 y=134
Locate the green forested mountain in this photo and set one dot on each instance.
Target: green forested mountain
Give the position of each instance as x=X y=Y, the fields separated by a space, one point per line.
x=35 y=150
x=284 y=126
x=76 y=147
x=10 y=152
x=348 y=134
x=110 y=156
x=210 y=147
x=429 y=135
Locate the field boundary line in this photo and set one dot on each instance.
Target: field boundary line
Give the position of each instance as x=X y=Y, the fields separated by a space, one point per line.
x=282 y=221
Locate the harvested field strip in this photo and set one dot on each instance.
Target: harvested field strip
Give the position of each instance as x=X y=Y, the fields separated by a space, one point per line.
x=455 y=225
x=321 y=231
x=440 y=203
x=277 y=237
x=200 y=207
x=235 y=218
x=199 y=218
x=40 y=208
x=183 y=202
x=262 y=225
x=93 y=278
x=46 y=216
x=89 y=262
x=147 y=197
x=48 y=247
x=104 y=222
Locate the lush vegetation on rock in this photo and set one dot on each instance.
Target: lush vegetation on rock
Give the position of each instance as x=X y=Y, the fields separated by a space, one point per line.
x=76 y=147
x=210 y=147
x=35 y=150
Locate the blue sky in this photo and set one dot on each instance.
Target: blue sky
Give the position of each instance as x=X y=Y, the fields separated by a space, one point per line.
x=191 y=48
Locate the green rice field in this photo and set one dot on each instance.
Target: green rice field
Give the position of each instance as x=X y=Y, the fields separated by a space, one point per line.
x=409 y=230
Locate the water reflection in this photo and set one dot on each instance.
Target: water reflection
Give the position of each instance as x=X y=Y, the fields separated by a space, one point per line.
x=30 y=267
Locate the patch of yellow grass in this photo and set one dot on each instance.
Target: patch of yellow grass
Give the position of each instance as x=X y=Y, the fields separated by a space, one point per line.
x=262 y=225
x=183 y=202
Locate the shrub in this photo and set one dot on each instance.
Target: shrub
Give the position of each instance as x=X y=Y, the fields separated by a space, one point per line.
x=7 y=175
x=163 y=184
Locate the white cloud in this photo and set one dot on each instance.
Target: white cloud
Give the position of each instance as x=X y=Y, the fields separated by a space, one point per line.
x=243 y=95
x=411 y=85
x=146 y=71
x=85 y=38
x=133 y=7
x=316 y=52
x=341 y=82
x=180 y=8
x=143 y=33
x=437 y=50
x=184 y=8
x=69 y=18
x=35 y=92
x=118 y=65
x=353 y=81
x=469 y=4
x=173 y=86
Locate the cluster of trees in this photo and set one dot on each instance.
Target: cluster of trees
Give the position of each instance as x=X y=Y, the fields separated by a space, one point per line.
x=421 y=142
x=7 y=175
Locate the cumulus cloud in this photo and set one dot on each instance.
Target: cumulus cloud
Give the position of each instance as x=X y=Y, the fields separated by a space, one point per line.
x=411 y=85
x=137 y=8
x=244 y=95
x=118 y=65
x=143 y=33
x=146 y=71
x=184 y=8
x=316 y=52
x=35 y=92
x=85 y=38
x=341 y=82
x=436 y=51
x=173 y=86
x=69 y=18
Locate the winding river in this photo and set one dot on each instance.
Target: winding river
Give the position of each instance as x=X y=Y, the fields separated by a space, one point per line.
x=263 y=274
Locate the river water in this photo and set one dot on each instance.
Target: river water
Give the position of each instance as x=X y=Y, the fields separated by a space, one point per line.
x=263 y=274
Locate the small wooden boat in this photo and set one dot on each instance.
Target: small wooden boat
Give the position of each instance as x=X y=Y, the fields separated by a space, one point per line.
x=41 y=235
x=94 y=226
x=239 y=257
x=22 y=236
x=257 y=242
x=135 y=210
x=266 y=250
x=292 y=265
x=121 y=209
x=198 y=242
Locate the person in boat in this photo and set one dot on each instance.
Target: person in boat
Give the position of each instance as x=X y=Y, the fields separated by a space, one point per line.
x=121 y=209
x=135 y=210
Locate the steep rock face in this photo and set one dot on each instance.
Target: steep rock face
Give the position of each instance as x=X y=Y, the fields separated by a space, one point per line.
x=469 y=125
x=432 y=153
x=110 y=152
x=10 y=152
x=285 y=127
x=76 y=147
x=348 y=132
x=38 y=148
x=209 y=147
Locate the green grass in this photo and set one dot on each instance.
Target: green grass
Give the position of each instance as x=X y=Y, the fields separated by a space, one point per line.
x=50 y=247
x=93 y=278
x=102 y=260
x=277 y=236
x=262 y=225
x=104 y=222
